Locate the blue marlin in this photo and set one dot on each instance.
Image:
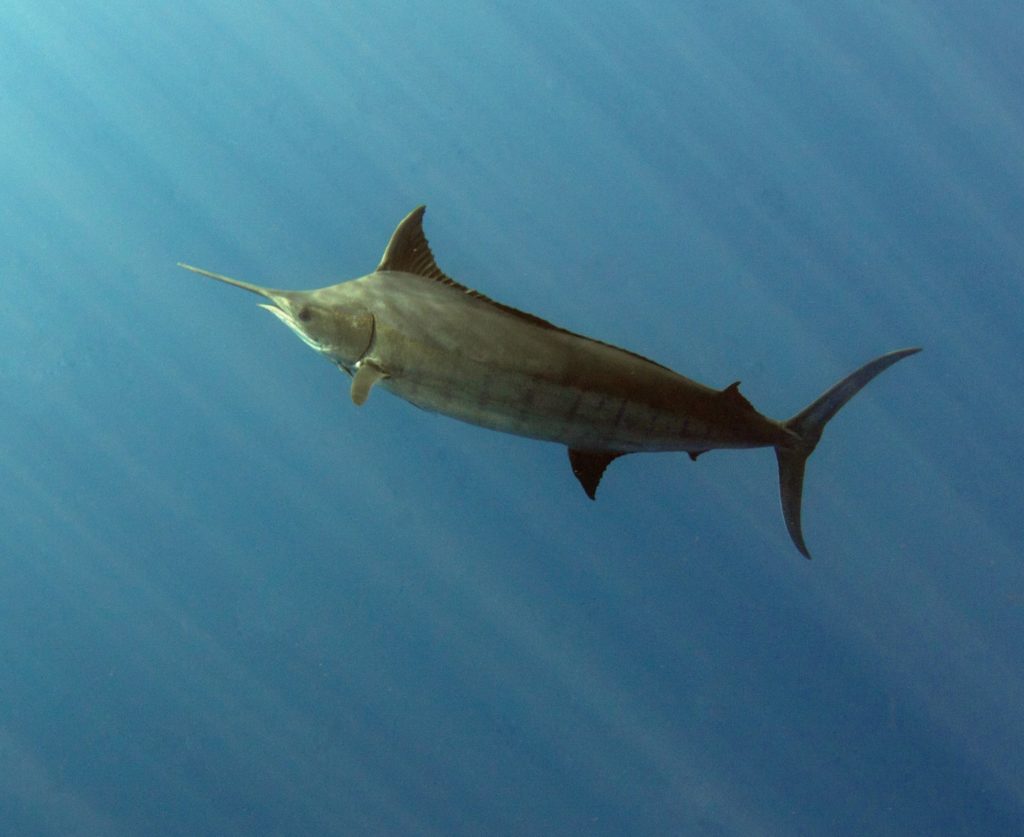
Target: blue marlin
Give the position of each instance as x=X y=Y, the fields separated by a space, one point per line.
x=410 y=329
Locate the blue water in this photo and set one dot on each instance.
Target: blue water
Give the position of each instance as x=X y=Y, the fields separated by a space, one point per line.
x=233 y=603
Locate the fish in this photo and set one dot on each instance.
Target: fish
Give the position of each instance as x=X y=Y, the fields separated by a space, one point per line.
x=410 y=329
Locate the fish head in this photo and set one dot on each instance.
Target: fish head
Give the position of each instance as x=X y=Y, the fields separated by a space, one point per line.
x=343 y=333
x=320 y=318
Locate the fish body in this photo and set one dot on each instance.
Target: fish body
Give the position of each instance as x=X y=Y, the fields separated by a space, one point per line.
x=454 y=353
x=410 y=329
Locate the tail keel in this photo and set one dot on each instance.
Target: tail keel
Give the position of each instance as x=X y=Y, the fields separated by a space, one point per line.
x=807 y=427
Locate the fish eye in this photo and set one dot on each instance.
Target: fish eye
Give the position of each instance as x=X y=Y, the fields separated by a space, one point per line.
x=305 y=314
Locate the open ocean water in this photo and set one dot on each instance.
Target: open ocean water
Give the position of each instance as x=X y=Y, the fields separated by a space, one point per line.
x=233 y=603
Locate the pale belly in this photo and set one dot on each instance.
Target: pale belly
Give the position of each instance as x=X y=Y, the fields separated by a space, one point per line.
x=583 y=418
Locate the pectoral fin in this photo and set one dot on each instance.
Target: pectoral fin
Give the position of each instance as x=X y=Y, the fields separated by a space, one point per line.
x=589 y=465
x=366 y=375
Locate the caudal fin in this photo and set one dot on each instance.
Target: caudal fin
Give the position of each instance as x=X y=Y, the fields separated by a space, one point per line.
x=807 y=426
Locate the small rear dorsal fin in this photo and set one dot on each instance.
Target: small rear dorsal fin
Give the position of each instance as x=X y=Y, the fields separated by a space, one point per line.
x=589 y=465
x=408 y=250
x=732 y=396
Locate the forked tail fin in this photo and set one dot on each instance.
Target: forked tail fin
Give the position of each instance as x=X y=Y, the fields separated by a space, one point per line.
x=807 y=425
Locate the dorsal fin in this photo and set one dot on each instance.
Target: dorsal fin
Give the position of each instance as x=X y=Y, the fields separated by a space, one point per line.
x=408 y=250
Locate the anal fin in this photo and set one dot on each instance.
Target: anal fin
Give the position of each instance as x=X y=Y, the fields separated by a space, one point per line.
x=589 y=466
x=367 y=373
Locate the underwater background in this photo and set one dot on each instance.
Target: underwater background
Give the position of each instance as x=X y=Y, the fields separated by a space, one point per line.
x=233 y=603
